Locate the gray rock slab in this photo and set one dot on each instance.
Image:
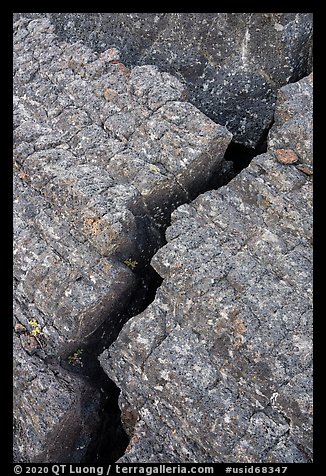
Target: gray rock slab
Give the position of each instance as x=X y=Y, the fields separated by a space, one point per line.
x=100 y=151
x=232 y=63
x=219 y=366
x=293 y=121
x=45 y=396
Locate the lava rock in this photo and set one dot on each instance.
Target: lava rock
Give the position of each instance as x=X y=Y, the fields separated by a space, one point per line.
x=293 y=121
x=219 y=366
x=232 y=63
x=101 y=157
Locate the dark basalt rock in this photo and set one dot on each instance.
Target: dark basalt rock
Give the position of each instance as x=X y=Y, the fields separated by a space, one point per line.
x=232 y=63
x=102 y=155
x=219 y=366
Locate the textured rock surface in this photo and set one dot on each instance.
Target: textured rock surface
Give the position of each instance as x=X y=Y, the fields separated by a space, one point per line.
x=102 y=154
x=232 y=63
x=218 y=367
x=293 y=121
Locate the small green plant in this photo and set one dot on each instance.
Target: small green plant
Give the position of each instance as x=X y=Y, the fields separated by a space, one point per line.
x=154 y=169
x=131 y=263
x=76 y=358
x=35 y=328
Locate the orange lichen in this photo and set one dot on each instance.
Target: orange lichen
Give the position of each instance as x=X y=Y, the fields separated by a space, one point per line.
x=286 y=156
x=94 y=224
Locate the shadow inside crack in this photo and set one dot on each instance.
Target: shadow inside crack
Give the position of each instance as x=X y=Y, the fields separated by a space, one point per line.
x=109 y=440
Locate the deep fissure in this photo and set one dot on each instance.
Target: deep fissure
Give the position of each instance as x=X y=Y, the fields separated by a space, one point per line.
x=109 y=442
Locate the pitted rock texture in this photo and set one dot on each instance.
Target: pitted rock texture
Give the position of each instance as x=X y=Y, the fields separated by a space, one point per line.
x=50 y=405
x=219 y=367
x=102 y=155
x=293 y=121
x=232 y=63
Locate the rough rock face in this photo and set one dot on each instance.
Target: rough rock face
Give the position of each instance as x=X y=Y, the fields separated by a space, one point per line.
x=293 y=121
x=219 y=366
x=231 y=62
x=102 y=154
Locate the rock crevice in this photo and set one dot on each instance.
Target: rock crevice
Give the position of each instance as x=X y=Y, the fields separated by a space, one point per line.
x=218 y=367
x=231 y=63
x=103 y=154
